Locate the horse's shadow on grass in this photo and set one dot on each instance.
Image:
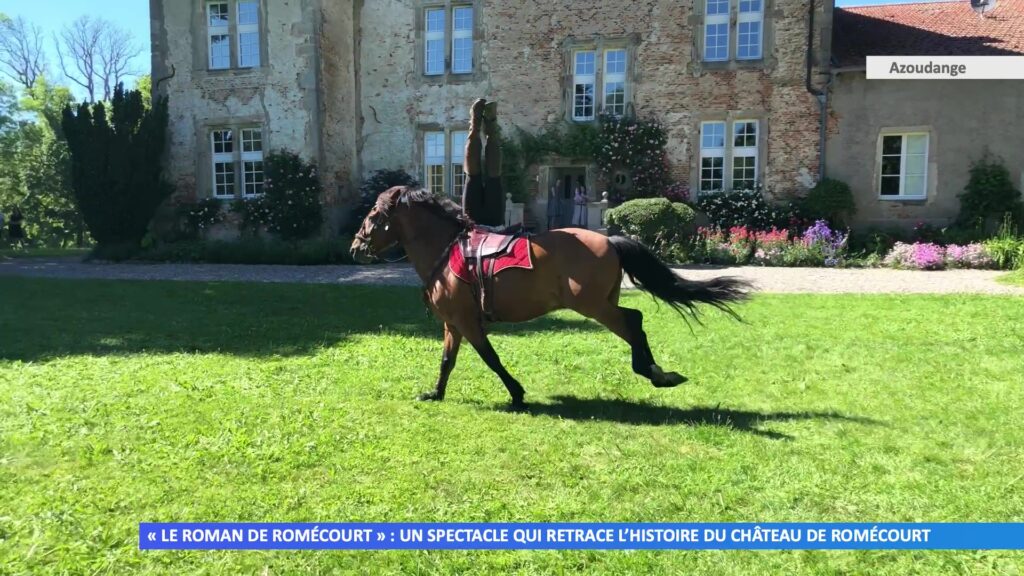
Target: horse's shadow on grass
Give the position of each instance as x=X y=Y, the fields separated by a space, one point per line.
x=56 y=318
x=645 y=414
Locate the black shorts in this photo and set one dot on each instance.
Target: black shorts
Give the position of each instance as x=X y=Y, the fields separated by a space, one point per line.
x=483 y=200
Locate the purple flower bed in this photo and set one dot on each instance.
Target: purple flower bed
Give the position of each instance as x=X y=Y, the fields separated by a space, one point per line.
x=830 y=244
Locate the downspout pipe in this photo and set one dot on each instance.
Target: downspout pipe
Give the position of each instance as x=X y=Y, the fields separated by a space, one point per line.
x=820 y=95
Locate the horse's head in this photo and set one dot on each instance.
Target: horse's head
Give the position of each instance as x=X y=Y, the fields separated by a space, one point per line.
x=377 y=232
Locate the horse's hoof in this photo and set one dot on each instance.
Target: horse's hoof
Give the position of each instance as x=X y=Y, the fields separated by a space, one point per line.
x=430 y=397
x=517 y=405
x=662 y=379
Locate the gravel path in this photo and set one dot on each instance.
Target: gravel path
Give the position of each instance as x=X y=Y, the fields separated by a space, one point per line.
x=782 y=280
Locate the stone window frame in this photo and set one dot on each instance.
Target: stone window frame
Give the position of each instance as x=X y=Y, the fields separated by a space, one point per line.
x=448 y=77
x=743 y=151
x=730 y=119
x=205 y=154
x=599 y=45
x=930 y=173
x=766 y=61
x=749 y=17
x=201 y=40
x=701 y=154
x=452 y=158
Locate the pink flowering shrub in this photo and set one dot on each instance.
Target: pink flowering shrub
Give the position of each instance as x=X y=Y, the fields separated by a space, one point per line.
x=930 y=256
x=637 y=145
x=732 y=247
x=772 y=247
x=969 y=256
x=292 y=196
x=917 y=256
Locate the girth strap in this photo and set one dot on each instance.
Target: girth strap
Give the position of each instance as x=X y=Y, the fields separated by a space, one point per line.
x=481 y=250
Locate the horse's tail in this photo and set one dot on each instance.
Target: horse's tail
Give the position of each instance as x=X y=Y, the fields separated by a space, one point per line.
x=650 y=274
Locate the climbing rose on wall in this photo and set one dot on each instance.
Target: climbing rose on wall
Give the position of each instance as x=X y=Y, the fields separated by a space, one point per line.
x=638 y=146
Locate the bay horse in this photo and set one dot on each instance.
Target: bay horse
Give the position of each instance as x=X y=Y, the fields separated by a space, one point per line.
x=572 y=268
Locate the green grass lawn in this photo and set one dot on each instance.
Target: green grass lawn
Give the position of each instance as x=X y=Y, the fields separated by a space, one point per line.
x=1014 y=278
x=123 y=402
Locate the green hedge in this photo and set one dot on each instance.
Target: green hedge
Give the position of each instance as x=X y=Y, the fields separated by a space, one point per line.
x=664 y=226
x=253 y=251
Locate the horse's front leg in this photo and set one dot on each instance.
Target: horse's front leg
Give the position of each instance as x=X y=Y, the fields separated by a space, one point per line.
x=478 y=338
x=452 y=340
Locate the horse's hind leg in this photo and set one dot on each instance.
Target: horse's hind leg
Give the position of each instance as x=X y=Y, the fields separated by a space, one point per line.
x=478 y=338
x=627 y=323
x=452 y=340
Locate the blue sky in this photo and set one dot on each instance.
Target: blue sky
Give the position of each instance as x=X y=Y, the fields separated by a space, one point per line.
x=52 y=15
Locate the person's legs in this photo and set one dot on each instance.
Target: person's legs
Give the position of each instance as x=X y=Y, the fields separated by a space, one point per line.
x=473 y=192
x=473 y=196
x=495 y=198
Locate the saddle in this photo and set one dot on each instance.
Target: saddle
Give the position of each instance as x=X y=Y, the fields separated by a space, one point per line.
x=481 y=250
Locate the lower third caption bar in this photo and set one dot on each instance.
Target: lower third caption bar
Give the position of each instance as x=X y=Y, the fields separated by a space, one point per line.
x=579 y=536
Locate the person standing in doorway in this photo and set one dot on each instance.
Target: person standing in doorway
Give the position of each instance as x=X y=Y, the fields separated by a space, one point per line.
x=580 y=199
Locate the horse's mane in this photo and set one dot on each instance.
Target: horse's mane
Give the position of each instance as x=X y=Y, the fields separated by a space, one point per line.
x=439 y=205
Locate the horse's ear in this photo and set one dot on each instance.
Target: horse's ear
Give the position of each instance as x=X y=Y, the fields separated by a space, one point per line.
x=388 y=199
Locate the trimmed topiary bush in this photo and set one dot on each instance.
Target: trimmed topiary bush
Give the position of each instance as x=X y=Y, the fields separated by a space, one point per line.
x=989 y=196
x=829 y=200
x=666 y=227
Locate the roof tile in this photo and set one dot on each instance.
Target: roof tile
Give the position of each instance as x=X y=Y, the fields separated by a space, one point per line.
x=949 y=28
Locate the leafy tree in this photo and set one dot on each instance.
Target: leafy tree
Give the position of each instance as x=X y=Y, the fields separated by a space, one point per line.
x=35 y=164
x=8 y=107
x=96 y=54
x=48 y=101
x=144 y=84
x=22 y=57
x=116 y=171
x=47 y=204
x=10 y=146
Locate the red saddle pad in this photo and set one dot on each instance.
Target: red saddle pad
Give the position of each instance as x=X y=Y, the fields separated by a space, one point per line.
x=518 y=256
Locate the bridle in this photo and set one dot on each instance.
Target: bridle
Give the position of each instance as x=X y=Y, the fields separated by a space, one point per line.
x=366 y=241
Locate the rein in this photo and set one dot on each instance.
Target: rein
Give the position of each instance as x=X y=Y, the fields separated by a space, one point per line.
x=443 y=258
x=395 y=261
x=465 y=226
